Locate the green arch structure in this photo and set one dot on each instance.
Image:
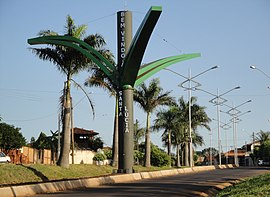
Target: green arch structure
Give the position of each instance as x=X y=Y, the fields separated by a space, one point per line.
x=81 y=46
x=151 y=68
x=130 y=75
x=145 y=71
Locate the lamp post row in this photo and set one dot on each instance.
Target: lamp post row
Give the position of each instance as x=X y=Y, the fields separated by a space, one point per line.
x=235 y=113
x=189 y=87
x=217 y=100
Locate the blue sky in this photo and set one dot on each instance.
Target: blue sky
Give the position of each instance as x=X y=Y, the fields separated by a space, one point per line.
x=230 y=34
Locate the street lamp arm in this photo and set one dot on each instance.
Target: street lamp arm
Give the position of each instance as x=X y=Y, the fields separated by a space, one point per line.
x=214 y=67
x=238 y=87
x=236 y=117
x=244 y=113
x=242 y=104
x=234 y=108
x=254 y=67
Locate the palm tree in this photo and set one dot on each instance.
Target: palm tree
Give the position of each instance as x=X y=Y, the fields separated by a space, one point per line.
x=264 y=149
x=149 y=98
x=178 y=139
x=199 y=118
x=166 y=120
x=69 y=62
x=99 y=79
x=138 y=134
x=263 y=137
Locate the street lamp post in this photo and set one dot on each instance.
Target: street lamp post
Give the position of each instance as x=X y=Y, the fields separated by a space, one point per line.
x=235 y=113
x=210 y=147
x=218 y=100
x=190 y=79
x=225 y=126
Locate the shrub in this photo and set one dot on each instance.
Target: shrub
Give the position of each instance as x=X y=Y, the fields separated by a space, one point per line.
x=108 y=153
x=138 y=157
x=99 y=157
x=159 y=157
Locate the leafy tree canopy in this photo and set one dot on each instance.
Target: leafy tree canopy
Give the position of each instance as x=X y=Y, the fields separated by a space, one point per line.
x=206 y=151
x=96 y=143
x=42 y=142
x=10 y=137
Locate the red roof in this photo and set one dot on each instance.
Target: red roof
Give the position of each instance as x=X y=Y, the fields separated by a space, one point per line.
x=84 y=131
x=239 y=153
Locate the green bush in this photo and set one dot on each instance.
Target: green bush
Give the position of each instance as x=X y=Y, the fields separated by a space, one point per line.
x=108 y=153
x=138 y=157
x=159 y=157
x=99 y=157
x=173 y=161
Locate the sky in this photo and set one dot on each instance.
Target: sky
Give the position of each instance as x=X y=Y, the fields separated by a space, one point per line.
x=231 y=34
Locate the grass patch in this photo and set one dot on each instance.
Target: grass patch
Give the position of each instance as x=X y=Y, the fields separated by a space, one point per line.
x=18 y=174
x=14 y=174
x=257 y=186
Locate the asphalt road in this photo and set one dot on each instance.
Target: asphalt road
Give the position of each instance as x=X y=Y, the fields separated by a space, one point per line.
x=192 y=184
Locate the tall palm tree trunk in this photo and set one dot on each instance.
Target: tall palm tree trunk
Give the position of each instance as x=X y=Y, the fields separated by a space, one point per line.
x=169 y=147
x=147 y=162
x=65 y=149
x=182 y=154
x=186 y=154
x=178 y=155
x=115 y=151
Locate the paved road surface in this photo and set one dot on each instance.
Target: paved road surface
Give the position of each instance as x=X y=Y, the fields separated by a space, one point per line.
x=191 y=184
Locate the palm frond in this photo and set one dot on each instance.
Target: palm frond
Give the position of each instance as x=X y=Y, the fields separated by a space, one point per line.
x=79 y=32
x=47 y=33
x=52 y=55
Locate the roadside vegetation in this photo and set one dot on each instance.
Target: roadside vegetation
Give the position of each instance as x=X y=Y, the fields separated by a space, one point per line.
x=19 y=174
x=257 y=186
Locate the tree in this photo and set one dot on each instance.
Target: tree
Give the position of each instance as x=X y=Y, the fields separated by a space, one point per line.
x=32 y=140
x=262 y=136
x=42 y=142
x=149 y=98
x=69 y=62
x=159 y=157
x=263 y=151
x=199 y=118
x=101 y=80
x=178 y=139
x=166 y=119
x=207 y=152
x=10 y=137
x=138 y=134
x=96 y=143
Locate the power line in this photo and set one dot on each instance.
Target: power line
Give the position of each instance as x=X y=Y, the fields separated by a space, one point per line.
x=100 y=18
x=32 y=119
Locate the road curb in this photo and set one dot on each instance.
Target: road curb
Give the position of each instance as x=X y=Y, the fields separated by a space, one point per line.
x=55 y=186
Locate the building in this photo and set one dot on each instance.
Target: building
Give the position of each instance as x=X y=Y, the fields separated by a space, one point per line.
x=82 y=137
x=243 y=154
